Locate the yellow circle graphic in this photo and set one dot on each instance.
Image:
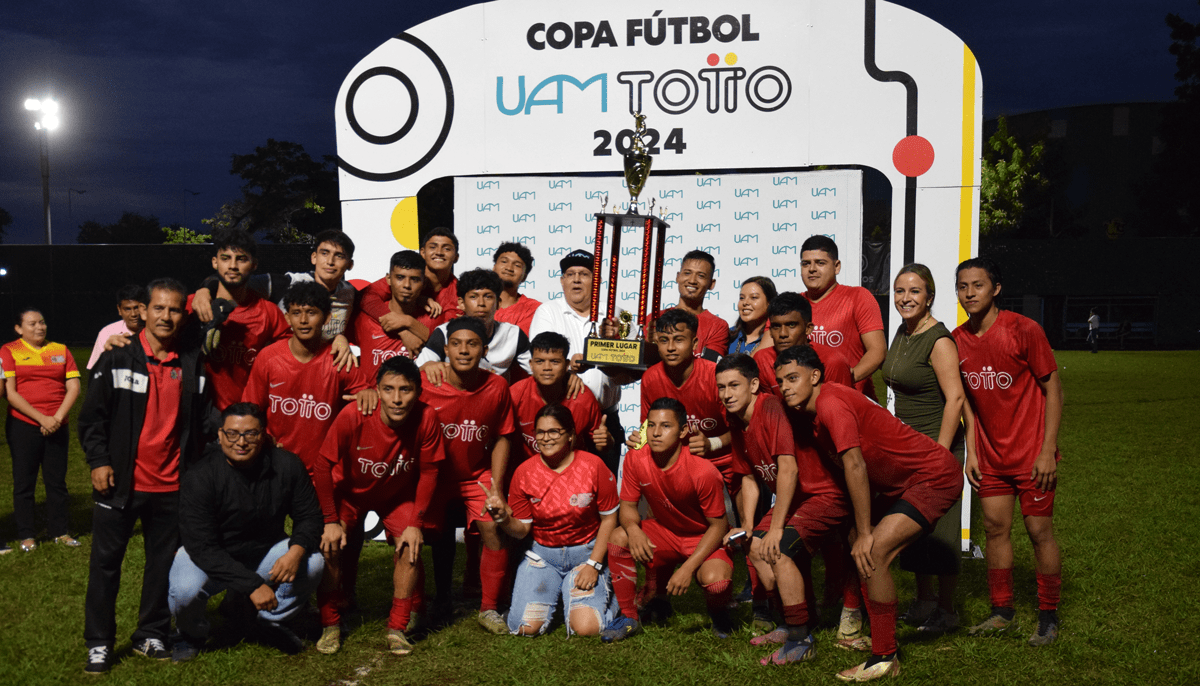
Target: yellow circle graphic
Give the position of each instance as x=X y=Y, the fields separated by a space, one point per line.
x=731 y=58
x=404 y=223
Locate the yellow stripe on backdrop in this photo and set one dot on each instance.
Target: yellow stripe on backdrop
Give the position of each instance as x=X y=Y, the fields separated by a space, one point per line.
x=967 y=187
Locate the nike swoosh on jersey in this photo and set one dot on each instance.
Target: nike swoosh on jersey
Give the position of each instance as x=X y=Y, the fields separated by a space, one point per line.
x=278 y=384
x=382 y=335
x=365 y=447
x=1038 y=500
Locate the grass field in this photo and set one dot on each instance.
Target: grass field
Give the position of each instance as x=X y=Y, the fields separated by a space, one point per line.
x=1127 y=499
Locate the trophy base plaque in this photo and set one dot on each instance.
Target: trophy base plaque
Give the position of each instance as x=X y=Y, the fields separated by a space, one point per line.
x=614 y=352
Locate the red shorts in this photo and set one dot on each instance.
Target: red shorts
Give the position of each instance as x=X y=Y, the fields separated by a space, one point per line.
x=671 y=550
x=468 y=493
x=1034 y=501
x=817 y=518
x=395 y=520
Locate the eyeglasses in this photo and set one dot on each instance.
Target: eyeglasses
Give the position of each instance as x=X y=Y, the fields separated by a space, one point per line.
x=552 y=434
x=251 y=436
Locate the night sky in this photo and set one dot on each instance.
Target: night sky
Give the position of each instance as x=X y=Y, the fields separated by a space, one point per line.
x=155 y=97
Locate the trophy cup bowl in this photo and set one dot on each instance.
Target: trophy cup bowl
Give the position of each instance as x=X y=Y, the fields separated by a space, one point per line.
x=637 y=170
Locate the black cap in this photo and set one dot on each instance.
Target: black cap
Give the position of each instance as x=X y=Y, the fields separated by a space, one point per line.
x=577 y=258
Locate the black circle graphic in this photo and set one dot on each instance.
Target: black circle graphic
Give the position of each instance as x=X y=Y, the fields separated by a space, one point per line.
x=353 y=92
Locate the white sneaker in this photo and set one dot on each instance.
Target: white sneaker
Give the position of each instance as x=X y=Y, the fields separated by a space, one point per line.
x=851 y=623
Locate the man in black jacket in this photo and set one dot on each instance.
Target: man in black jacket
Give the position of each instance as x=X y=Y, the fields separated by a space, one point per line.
x=232 y=510
x=141 y=426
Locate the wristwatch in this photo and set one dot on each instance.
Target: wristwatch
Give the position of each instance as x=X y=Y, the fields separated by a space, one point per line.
x=598 y=566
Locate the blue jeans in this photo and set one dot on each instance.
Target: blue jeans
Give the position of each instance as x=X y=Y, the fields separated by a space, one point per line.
x=548 y=574
x=191 y=588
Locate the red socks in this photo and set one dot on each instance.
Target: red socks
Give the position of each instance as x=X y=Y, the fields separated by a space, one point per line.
x=1000 y=585
x=327 y=603
x=757 y=590
x=883 y=627
x=1048 y=588
x=624 y=579
x=795 y=615
x=401 y=609
x=492 y=566
x=717 y=595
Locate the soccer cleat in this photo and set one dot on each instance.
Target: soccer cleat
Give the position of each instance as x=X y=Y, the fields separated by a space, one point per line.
x=862 y=644
x=330 y=641
x=398 y=643
x=919 y=612
x=995 y=625
x=99 y=660
x=940 y=622
x=792 y=651
x=776 y=636
x=280 y=636
x=152 y=648
x=184 y=649
x=879 y=670
x=620 y=629
x=656 y=610
x=493 y=622
x=1047 y=632
x=28 y=545
x=722 y=624
x=762 y=622
x=68 y=541
x=851 y=623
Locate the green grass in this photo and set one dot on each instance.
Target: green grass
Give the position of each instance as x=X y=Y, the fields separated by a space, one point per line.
x=1128 y=498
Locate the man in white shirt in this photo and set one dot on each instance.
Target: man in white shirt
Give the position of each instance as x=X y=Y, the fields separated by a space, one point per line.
x=1093 y=335
x=571 y=317
x=507 y=346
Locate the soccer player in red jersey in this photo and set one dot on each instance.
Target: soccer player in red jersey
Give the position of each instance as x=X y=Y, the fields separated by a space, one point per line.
x=696 y=277
x=253 y=324
x=567 y=499
x=440 y=254
x=475 y=411
x=692 y=381
x=1014 y=411
x=686 y=494
x=790 y=321
x=846 y=318
x=915 y=479
x=548 y=386
x=386 y=462
x=409 y=325
x=512 y=262
x=295 y=381
x=810 y=506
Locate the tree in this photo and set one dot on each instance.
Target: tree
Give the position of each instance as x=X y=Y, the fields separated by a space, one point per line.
x=130 y=228
x=181 y=234
x=5 y=220
x=284 y=194
x=1010 y=175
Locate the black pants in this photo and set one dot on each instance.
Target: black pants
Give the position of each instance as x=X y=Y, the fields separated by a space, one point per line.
x=32 y=451
x=612 y=456
x=111 y=531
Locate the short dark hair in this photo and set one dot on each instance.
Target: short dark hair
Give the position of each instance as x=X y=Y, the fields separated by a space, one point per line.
x=671 y=405
x=441 y=231
x=559 y=414
x=469 y=323
x=22 y=311
x=518 y=248
x=803 y=356
x=402 y=366
x=701 y=256
x=244 y=410
x=739 y=362
x=550 y=342
x=133 y=292
x=479 y=280
x=987 y=264
x=667 y=321
x=234 y=239
x=788 y=302
x=407 y=259
x=166 y=283
x=308 y=294
x=338 y=238
x=820 y=242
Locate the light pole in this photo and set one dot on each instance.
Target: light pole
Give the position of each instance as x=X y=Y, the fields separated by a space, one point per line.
x=185 y=214
x=44 y=125
x=69 y=192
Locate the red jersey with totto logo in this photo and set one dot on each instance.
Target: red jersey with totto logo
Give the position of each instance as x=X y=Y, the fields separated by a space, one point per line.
x=756 y=444
x=897 y=456
x=378 y=467
x=564 y=508
x=377 y=346
x=471 y=422
x=698 y=394
x=250 y=328
x=683 y=497
x=375 y=297
x=519 y=313
x=527 y=402
x=836 y=369
x=839 y=321
x=156 y=469
x=1000 y=372
x=41 y=375
x=301 y=399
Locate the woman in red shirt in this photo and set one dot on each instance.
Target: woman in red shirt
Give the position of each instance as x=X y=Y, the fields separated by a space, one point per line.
x=42 y=383
x=568 y=499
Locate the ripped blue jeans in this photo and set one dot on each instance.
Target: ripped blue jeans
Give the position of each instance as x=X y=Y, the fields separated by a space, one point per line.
x=548 y=574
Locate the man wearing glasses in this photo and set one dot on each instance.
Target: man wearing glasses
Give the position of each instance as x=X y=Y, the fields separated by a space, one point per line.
x=232 y=511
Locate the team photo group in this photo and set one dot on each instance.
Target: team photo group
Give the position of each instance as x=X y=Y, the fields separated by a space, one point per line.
x=249 y=424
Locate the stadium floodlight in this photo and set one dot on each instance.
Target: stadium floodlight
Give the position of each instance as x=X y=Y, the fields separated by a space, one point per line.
x=48 y=121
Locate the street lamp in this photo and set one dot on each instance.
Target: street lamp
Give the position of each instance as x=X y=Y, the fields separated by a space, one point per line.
x=48 y=121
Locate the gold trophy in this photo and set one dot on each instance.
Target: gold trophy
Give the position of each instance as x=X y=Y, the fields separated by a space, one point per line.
x=637 y=162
